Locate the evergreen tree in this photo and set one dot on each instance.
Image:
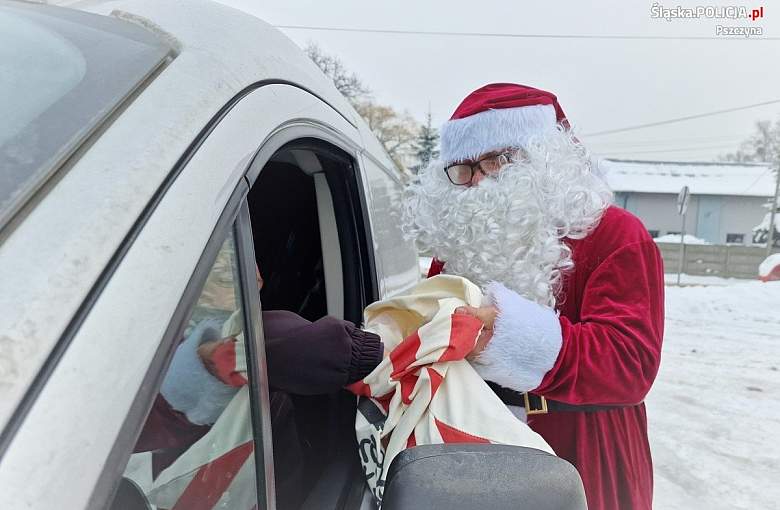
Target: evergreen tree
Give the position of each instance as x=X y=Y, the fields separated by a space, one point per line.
x=427 y=144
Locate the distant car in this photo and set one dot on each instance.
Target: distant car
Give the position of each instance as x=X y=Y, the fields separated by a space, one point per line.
x=769 y=269
x=150 y=152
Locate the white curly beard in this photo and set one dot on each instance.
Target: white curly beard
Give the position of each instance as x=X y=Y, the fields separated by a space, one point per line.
x=511 y=228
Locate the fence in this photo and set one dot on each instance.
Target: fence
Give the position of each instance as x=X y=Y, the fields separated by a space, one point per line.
x=727 y=261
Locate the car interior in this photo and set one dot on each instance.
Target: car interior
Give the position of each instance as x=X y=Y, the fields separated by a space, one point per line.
x=307 y=225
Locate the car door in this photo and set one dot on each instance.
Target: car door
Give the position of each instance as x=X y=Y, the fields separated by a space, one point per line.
x=173 y=486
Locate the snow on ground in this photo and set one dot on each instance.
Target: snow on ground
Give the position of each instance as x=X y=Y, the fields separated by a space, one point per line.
x=675 y=238
x=714 y=411
x=688 y=279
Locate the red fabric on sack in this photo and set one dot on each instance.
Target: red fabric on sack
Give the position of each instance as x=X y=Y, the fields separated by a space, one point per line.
x=404 y=355
x=612 y=316
x=408 y=382
x=462 y=333
x=359 y=388
x=452 y=435
x=212 y=480
x=436 y=380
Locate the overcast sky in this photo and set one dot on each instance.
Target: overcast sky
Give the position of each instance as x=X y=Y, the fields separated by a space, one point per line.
x=601 y=84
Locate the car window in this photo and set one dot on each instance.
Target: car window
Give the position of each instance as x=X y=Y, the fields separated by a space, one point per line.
x=66 y=71
x=196 y=449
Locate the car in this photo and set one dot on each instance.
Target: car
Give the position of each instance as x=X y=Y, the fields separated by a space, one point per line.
x=151 y=152
x=769 y=269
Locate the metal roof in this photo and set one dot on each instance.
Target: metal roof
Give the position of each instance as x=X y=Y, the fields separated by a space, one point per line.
x=704 y=178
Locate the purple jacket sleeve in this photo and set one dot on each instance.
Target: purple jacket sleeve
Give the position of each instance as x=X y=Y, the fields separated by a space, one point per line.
x=310 y=358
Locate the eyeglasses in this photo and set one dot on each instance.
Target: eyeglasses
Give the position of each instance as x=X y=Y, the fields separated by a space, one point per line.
x=461 y=174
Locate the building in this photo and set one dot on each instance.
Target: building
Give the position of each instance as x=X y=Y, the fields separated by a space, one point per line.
x=727 y=199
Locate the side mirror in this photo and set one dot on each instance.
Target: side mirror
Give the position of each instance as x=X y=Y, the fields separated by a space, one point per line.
x=481 y=476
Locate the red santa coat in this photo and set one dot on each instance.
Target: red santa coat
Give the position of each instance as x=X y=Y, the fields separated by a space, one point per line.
x=611 y=329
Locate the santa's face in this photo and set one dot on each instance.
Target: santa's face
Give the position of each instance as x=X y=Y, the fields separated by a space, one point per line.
x=509 y=225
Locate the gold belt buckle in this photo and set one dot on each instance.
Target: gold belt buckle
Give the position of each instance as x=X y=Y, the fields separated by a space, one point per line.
x=529 y=411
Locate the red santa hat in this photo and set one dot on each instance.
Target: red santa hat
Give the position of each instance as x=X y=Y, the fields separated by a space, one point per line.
x=498 y=116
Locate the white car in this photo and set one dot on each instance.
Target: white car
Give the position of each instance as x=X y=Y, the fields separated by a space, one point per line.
x=150 y=152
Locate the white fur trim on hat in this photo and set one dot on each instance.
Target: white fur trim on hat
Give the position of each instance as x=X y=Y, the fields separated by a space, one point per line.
x=525 y=345
x=469 y=137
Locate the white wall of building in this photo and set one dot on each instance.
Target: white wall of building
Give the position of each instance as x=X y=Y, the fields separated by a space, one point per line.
x=658 y=211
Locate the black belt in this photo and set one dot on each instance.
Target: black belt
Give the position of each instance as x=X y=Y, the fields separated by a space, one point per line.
x=536 y=404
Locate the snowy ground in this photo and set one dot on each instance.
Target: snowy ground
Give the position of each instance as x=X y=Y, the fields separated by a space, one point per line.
x=714 y=411
x=687 y=280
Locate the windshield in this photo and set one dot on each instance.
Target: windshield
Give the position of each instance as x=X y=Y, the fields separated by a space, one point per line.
x=62 y=73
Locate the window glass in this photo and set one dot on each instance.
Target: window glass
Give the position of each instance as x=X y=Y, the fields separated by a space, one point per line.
x=735 y=238
x=196 y=449
x=62 y=72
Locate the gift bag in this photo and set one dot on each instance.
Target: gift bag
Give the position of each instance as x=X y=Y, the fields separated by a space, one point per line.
x=425 y=391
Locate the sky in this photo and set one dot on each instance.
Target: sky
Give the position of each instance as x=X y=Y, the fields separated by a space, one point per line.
x=602 y=84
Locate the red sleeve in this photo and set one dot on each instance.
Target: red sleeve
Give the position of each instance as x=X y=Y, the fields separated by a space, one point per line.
x=611 y=355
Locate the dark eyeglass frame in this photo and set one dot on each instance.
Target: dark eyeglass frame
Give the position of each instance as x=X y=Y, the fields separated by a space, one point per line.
x=477 y=165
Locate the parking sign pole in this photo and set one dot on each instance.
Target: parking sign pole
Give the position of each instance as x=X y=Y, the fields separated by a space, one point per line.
x=682 y=208
x=682 y=250
x=770 y=236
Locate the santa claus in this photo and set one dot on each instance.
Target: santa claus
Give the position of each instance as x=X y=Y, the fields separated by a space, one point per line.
x=574 y=321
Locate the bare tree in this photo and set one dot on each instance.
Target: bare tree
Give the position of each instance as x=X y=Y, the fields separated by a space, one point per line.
x=396 y=131
x=762 y=146
x=349 y=84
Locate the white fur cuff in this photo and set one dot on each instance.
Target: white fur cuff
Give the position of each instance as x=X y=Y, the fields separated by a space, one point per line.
x=525 y=344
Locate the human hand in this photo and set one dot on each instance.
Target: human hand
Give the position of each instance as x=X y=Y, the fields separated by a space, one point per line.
x=486 y=314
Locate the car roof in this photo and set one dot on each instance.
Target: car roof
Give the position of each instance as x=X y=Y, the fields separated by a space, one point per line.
x=54 y=253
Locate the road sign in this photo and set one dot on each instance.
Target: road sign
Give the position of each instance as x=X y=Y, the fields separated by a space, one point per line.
x=682 y=200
